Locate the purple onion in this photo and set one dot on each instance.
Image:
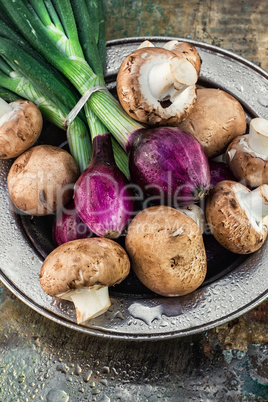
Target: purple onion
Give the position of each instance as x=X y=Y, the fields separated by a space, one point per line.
x=68 y=226
x=102 y=195
x=220 y=171
x=169 y=164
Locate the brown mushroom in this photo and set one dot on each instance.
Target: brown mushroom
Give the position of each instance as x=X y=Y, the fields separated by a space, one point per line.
x=238 y=217
x=247 y=155
x=81 y=271
x=155 y=86
x=21 y=124
x=40 y=181
x=166 y=251
x=216 y=119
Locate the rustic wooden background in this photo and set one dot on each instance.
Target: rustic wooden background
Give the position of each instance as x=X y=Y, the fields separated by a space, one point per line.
x=239 y=26
x=43 y=361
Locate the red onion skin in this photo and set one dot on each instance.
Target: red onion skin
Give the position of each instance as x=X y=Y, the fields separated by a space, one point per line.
x=220 y=171
x=68 y=226
x=102 y=195
x=169 y=163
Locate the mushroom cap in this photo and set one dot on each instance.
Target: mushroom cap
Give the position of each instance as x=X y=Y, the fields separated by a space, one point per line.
x=216 y=119
x=229 y=222
x=21 y=130
x=82 y=264
x=247 y=166
x=166 y=251
x=40 y=181
x=145 y=108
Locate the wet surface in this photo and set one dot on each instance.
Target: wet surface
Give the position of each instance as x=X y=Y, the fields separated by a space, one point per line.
x=43 y=361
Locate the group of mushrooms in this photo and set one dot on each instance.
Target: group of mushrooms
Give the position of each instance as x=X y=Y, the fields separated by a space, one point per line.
x=164 y=246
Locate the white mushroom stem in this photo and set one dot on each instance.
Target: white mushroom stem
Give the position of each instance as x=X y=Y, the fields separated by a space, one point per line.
x=146 y=43
x=175 y=71
x=197 y=214
x=89 y=302
x=255 y=204
x=4 y=108
x=170 y=45
x=258 y=135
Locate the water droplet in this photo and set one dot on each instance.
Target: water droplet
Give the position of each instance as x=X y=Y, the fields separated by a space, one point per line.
x=78 y=370
x=63 y=368
x=105 y=398
x=119 y=315
x=88 y=375
x=148 y=314
x=106 y=370
x=57 y=395
x=263 y=100
x=21 y=378
x=95 y=391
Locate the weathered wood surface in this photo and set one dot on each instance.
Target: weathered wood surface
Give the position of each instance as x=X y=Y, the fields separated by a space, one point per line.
x=43 y=361
x=239 y=26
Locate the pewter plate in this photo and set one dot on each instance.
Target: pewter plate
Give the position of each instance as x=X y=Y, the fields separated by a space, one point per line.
x=234 y=284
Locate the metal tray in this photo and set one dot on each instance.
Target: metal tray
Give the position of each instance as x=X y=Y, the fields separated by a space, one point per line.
x=234 y=284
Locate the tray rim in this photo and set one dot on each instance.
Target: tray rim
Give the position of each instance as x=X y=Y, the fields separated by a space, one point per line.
x=111 y=335
x=200 y=44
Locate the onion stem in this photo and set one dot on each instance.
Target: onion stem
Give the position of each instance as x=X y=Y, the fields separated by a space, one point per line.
x=76 y=69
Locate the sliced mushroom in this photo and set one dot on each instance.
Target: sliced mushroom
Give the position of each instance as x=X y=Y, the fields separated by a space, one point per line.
x=247 y=155
x=155 y=86
x=238 y=217
x=81 y=271
x=20 y=126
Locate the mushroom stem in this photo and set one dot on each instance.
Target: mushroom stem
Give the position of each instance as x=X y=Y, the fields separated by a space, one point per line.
x=170 y=45
x=258 y=135
x=255 y=203
x=89 y=302
x=145 y=43
x=197 y=214
x=4 y=107
x=176 y=71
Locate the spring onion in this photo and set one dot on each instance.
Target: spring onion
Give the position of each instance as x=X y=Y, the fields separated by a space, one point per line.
x=48 y=81
x=38 y=33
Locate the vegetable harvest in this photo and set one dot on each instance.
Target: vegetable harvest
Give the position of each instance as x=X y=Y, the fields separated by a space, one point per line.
x=70 y=61
x=155 y=145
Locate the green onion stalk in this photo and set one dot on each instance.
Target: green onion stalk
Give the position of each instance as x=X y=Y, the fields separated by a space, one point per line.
x=66 y=54
x=36 y=77
x=89 y=17
x=8 y=96
x=15 y=82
